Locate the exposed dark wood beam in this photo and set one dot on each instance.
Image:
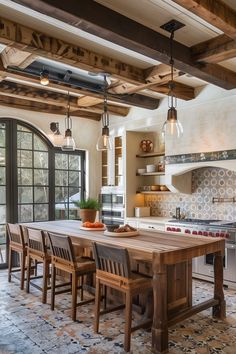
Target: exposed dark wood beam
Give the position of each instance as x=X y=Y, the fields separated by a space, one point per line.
x=181 y=91
x=43 y=108
x=23 y=92
x=214 y=50
x=105 y=23
x=136 y=100
x=215 y=12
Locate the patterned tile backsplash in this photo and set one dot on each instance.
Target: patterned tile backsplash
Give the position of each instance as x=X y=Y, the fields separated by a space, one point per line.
x=207 y=183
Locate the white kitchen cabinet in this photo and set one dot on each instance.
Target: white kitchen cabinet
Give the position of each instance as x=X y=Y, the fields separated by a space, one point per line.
x=152 y=226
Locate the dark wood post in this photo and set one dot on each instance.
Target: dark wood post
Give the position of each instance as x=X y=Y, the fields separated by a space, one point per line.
x=219 y=311
x=160 y=321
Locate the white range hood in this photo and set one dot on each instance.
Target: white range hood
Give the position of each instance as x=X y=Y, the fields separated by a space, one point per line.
x=178 y=177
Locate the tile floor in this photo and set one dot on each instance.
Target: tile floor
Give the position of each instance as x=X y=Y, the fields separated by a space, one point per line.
x=29 y=327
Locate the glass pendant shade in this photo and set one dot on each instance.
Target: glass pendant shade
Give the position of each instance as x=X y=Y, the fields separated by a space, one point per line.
x=172 y=126
x=104 y=141
x=68 y=143
x=44 y=78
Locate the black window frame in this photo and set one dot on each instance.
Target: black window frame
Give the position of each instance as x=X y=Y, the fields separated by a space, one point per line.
x=11 y=169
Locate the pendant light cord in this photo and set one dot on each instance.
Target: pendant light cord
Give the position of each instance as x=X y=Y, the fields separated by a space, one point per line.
x=68 y=119
x=105 y=116
x=172 y=98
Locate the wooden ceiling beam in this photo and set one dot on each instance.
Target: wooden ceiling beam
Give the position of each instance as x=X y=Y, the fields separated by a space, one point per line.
x=215 y=12
x=214 y=50
x=14 y=57
x=181 y=91
x=43 y=108
x=135 y=100
x=103 y=22
x=23 y=92
x=39 y=44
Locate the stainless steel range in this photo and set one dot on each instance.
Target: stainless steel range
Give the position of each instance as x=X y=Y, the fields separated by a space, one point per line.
x=203 y=266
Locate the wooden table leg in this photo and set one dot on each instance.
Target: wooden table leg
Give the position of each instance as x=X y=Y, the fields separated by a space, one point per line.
x=219 y=311
x=160 y=321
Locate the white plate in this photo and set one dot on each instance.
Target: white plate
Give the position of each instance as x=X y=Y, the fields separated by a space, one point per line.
x=92 y=228
x=121 y=234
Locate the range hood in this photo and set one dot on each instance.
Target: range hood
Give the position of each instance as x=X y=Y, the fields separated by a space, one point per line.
x=178 y=168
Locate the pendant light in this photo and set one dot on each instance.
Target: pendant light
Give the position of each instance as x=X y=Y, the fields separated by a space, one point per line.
x=172 y=126
x=104 y=140
x=44 y=77
x=68 y=143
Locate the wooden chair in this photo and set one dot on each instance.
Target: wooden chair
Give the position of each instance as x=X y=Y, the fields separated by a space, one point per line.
x=17 y=244
x=38 y=251
x=113 y=270
x=63 y=258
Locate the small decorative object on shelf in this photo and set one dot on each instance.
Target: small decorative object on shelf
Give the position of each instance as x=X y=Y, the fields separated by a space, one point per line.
x=146 y=145
x=161 y=165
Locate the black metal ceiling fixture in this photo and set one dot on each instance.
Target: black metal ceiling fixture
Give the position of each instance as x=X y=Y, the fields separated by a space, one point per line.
x=172 y=125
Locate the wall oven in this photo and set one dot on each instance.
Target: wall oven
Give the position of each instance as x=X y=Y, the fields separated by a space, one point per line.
x=112 y=208
x=203 y=267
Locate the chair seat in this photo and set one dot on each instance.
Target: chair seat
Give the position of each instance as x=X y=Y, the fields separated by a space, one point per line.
x=85 y=264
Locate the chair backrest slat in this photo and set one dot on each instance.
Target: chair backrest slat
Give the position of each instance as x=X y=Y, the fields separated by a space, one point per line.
x=15 y=234
x=37 y=240
x=112 y=259
x=61 y=247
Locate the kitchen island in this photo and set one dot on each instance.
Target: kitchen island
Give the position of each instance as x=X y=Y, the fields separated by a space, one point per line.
x=171 y=256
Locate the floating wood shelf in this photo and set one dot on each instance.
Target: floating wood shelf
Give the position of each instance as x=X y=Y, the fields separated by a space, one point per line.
x=151 y=174
x=153 y=192
x=151 y=154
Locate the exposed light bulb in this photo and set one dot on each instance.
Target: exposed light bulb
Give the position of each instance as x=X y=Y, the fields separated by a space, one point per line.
x=44 y=78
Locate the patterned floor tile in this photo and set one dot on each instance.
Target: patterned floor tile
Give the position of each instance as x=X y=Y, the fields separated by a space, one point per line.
x=29 y=327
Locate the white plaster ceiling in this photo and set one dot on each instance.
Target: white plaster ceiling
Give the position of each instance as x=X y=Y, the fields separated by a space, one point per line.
x=154 y=13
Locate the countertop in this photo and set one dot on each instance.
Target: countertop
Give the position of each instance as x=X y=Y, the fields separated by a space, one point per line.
x=151 y=219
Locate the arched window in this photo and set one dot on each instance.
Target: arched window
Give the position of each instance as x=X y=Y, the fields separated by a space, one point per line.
x=38 y=182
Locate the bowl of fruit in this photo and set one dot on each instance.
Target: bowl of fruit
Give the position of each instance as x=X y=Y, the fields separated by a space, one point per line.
x=92 y=226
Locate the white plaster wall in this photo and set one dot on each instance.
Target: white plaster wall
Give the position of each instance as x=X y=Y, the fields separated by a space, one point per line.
x=209 y=121
x=85 y=133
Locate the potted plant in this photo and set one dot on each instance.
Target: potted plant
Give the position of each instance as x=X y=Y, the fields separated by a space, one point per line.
x=88 y=209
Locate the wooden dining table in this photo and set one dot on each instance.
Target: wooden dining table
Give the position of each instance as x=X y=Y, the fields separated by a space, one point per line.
x=171 y=258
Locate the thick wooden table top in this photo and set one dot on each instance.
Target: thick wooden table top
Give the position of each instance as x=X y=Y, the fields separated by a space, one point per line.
x=171 y=248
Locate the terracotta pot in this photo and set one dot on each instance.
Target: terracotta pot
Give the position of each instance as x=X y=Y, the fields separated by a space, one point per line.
x=88 y=215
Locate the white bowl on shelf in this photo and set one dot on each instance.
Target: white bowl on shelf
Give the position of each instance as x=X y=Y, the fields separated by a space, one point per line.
x=140 y=171
x=151 y=168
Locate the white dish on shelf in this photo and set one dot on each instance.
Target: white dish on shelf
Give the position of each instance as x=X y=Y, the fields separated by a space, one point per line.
x=92 y=228
x=121 y=234
x=141 y=170
x=151 y=168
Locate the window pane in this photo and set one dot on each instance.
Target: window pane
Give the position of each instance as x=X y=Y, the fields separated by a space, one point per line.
x=24 y=158
x=40 y=159
x=22 y=128
x=2 y=243
x=25 y=176
x=61 y=161
x=60 y=212
x=2 y=157
x=25 y=194
x=39 y=144
x=2 y=195
x=41 y=177
x=25 y=213
x=41 y=212
x=2 y=137
x=24 y=140
x=74 y=178
x=61 y=195
x=2 y=214
x=74 y=162
x=41 y=195
x=73 y=212
x=74 y=194
x=61 y=178
x=2 y=175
